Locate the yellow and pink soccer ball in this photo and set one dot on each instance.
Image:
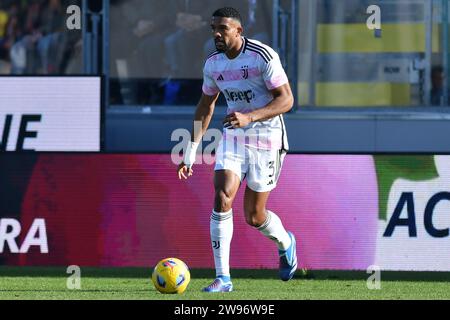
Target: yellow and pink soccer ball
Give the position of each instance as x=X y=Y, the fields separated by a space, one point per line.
x=171 y=275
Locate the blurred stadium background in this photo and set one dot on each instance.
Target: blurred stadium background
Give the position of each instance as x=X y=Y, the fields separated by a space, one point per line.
x=355 y=90
x=370 y=120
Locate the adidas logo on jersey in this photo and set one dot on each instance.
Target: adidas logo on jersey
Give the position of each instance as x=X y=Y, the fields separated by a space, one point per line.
x=220 y=78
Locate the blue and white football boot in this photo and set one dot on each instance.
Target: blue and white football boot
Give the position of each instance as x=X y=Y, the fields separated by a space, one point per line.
x=219 y=285
x=288 y=260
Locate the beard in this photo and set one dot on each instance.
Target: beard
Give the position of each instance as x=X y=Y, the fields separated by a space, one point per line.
x=221 y=46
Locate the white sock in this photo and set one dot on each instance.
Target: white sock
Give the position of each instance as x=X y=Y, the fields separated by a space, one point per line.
x=273 y=229
x=221 y=230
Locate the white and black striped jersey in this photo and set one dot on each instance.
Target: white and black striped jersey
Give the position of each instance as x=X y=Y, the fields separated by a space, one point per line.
x=246 y=81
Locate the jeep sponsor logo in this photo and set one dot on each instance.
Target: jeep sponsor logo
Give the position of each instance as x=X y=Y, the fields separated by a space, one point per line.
x=236 y=96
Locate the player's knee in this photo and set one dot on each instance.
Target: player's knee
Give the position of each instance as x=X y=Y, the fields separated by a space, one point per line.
x=222 y=201
x=254 y=218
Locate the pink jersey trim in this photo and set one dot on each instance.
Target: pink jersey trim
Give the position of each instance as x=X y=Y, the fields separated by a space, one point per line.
x=276 y=82
x=234 y=75
x=209 y=91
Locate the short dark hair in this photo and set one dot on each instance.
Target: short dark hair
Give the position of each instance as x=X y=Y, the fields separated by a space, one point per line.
x=227 y=12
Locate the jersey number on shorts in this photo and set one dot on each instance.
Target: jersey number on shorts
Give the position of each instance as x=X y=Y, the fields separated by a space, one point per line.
x=272 y=167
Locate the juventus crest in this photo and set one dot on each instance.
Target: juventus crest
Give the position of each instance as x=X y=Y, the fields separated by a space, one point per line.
x=244 y=70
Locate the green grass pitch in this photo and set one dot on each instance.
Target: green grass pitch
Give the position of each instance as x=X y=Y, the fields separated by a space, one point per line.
x=135 y=283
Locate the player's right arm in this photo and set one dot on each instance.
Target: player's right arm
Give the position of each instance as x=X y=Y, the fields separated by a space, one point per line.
x=203 y=115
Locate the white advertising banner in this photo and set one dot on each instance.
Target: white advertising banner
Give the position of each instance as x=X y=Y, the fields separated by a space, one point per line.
x=416 y=233
x=50 y=114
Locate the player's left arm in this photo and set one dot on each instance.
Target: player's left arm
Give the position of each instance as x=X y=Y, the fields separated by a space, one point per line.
x=282 y=102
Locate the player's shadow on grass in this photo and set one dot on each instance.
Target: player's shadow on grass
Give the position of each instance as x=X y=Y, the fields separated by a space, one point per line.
x=330 y=275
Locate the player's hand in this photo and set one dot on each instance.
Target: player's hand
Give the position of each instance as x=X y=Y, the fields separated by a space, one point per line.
x=237 y=120
x=182 y=169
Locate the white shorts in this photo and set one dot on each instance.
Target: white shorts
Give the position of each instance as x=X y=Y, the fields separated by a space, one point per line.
x=260 y=167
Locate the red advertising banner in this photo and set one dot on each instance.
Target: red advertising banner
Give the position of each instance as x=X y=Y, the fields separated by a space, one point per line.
x=131 y=210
